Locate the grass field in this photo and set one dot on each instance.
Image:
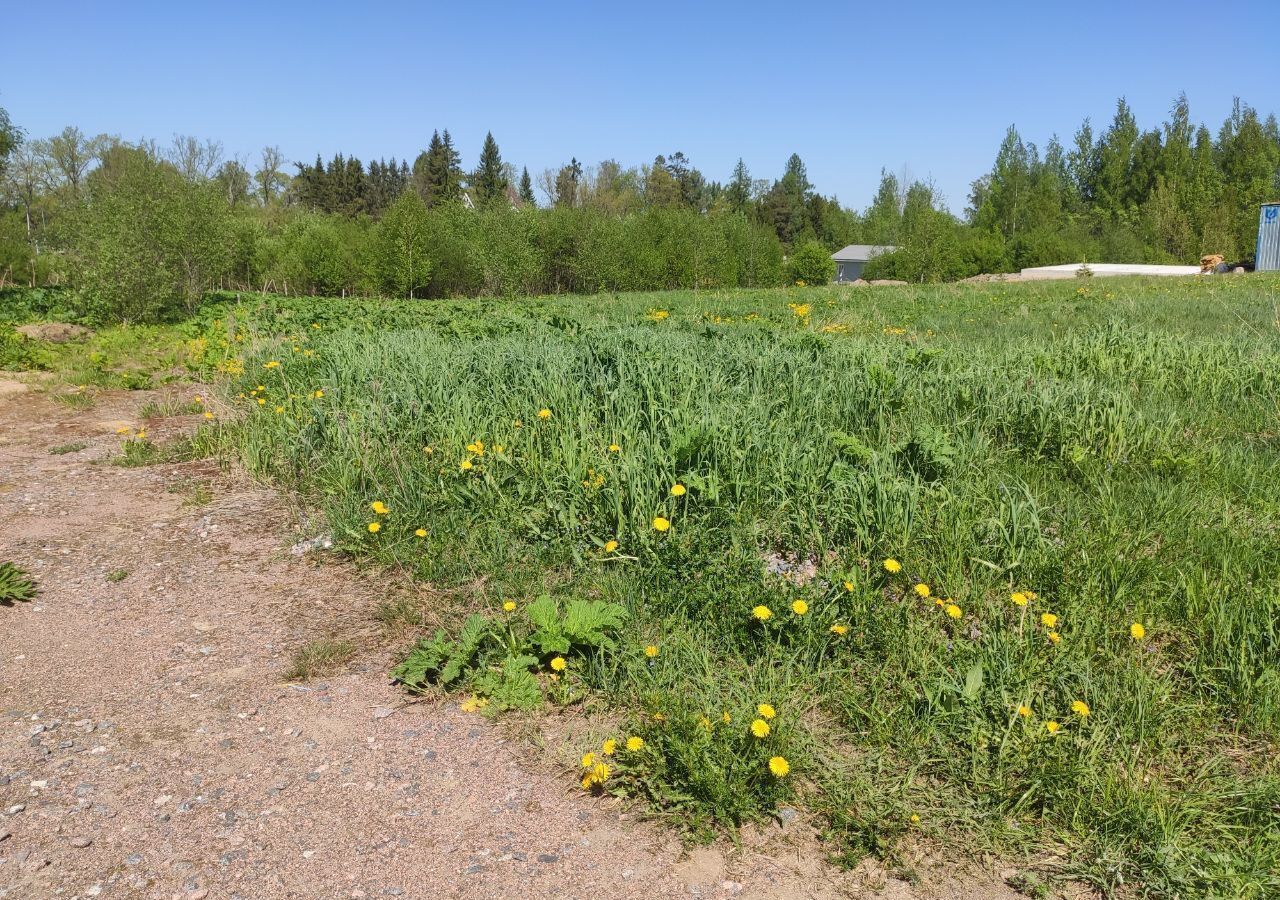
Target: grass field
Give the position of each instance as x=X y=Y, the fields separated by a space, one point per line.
x=991 y=566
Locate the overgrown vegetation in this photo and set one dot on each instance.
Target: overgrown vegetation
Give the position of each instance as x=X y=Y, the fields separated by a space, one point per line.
x=996 y=560
x=990 y=563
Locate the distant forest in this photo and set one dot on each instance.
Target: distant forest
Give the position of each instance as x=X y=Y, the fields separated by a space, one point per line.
x=140 y=231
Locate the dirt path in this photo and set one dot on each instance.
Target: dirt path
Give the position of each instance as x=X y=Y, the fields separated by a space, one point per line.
x=150 y=746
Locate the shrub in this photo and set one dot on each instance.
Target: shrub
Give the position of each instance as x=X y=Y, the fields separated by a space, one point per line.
x=812 y=264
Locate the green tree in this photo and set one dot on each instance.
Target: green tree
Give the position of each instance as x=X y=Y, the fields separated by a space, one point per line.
x=488 y=181
x=812 y=264
x=738 y=193
x=526 y=188
x=401 y=262
x=149 y=243
x=10 y=139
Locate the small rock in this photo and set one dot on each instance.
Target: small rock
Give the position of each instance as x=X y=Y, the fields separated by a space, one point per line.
x=322 y=542
x=81 y=841
x=548 y=857
x=16 y=808
x=93 y=890
x=382 y=712
x=40 y=784
x=4 y=834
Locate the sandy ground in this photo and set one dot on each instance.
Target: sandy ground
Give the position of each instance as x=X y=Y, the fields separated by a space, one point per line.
x=151 y=747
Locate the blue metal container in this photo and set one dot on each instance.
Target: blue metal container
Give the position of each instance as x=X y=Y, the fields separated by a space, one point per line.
x=1267 y=257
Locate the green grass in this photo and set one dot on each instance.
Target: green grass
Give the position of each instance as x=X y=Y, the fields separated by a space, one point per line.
x=1110 y=446
x=319 y=657
x=73 y=447
x=171 y=404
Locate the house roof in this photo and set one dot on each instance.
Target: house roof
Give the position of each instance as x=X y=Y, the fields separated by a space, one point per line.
x=860 y=252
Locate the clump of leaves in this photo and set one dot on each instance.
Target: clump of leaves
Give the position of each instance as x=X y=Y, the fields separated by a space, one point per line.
x=15 y=584
x=115 y=576
x=498 y=658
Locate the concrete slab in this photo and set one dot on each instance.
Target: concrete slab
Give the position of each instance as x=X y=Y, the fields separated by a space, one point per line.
x=1041 y=273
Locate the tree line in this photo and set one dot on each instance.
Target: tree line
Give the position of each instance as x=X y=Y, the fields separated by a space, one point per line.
x=139 y=230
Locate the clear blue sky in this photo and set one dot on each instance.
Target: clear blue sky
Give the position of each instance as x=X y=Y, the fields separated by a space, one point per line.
x=851 y=87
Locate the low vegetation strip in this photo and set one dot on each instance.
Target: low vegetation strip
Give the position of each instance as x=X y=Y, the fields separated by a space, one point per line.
x=990 y=565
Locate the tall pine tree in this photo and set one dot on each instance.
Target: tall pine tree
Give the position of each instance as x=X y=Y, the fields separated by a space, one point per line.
x=488 y=182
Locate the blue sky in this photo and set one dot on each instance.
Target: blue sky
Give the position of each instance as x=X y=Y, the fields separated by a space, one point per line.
x=851 y=87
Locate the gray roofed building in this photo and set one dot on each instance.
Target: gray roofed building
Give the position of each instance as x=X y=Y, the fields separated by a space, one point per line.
x=850 y=260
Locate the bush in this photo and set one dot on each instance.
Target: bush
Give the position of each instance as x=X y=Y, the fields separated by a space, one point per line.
x=812 y=264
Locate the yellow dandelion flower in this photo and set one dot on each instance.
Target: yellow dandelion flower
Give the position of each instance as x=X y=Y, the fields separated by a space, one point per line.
x=840 y=629
x=262 y=402
x=610 y=546
x=892 y=566
x=677 y=490
x=509 y=606
x=848 y=586
x=1048 y=620
x=544 y=413
x=1024 y=711
x=762 y=613
x=600 y=772
x=614 y=448
x=466 y=465
x=588 y=781
x=318 y=394
x=651 y=651
x=766 y=711
x=726 y=718
x=760 y=728
x=279 y=409
x=198 y=399
x=923 y=591
x=1080 y=708
x=661 y=524
x=1052 y=727
x=779 y=766
x=799 y=607
x=952 y=611
x=704 y=722
x=420 y=532
x=208 y=415
x=558 y=664
x=271 y=364
x=1137 y=631
x=1019 y=598
x=608 y=747
x=634 y=744
x=588 y=760
x=375 y=527
x=379 y=507
x=1031 y=595
x=915 y=819
x=1054 y=637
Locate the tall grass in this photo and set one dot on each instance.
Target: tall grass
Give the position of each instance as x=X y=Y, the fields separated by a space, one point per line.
x=1111 y=448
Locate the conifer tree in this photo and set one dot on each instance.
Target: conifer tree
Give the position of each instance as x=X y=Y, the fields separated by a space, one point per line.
x=488 y=181
x=526 y=187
